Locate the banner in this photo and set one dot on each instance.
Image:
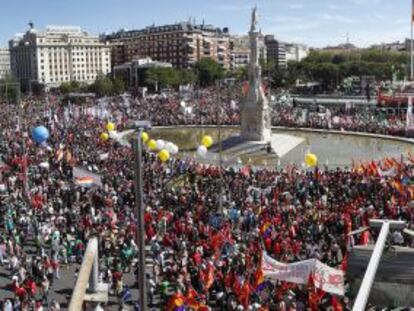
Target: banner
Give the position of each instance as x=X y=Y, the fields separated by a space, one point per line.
x=297 y=272
x=85 y=178
x=328 y=279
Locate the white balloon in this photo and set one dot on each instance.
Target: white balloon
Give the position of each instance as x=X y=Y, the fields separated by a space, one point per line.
x=175 y=149
x=113 y=135
x=169 y=146
x=202 y=151
x=160 y=144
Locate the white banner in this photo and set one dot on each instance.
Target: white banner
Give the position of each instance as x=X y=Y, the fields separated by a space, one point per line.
x=297 y=272
x=328 y=279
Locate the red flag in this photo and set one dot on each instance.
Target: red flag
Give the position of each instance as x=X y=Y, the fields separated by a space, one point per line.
x=364 y=238
x=336 y=305
x=244 y=296
x=210 y=276
x=344 y=264
x=245 y=88
x=245 y=171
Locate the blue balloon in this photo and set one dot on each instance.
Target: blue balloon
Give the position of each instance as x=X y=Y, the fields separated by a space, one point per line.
x=40 y=134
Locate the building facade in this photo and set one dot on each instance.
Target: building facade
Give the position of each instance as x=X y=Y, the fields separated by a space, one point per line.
x=60 y=54
x=276 y=51
x=4 y=62
x=296 y=52
x=240 y=50
x=133 y=72
x=181 y=44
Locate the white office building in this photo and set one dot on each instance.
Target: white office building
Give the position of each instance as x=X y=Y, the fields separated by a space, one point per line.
x=296 y=52
x=4 y=62
x=60 y=54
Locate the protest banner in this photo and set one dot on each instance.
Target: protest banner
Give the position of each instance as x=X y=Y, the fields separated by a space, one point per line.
x=328 y=279
x=297 y=272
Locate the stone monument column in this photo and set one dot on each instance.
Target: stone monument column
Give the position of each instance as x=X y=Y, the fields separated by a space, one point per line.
x=255 y=116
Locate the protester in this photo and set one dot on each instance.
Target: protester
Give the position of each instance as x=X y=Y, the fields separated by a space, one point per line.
x=203 y=257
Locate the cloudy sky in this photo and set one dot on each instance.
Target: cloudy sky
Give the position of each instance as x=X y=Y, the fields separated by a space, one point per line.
x=313 y=22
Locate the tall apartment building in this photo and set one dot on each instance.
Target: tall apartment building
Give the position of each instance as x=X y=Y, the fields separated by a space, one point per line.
x=181 y=44
x=276 y=51
x=4 y=62
x=57 y=55
x=240 y=51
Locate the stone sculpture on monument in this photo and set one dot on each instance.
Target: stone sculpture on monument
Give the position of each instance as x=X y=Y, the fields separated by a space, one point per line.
x=255 y=118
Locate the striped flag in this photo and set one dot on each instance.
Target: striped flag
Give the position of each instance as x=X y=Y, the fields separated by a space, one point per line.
x=85 y=178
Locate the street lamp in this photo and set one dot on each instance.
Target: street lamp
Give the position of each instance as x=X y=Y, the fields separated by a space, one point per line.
x=140 y=126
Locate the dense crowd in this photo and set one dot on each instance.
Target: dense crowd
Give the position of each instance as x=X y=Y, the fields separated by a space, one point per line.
x=206 y=226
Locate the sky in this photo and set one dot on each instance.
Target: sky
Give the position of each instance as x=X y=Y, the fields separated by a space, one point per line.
x=316 y=23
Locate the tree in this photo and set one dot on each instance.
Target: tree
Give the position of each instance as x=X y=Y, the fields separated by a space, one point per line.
x=102 y=86
x=208 y=71
x=8 y=87
x=119 y=85
x=152 y=77
x=187 y=76
x=241 y=73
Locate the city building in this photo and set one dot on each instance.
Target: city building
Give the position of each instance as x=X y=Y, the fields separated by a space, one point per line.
x=296 y=52
x=276 y=51
x=396 y=46
x=181 y=44
x=133 y=72
x=240 y=50
x=4 y=62
x=60 y=54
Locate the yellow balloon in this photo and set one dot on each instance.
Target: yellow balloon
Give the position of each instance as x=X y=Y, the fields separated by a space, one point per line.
x=104 y=136
x=163 y=155
x=110 y=126
x=144 y=137
x=152 y=144
x=207 y=141
x=311 y=160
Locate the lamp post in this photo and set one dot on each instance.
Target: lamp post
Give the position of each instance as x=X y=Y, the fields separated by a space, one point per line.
x=140 y=126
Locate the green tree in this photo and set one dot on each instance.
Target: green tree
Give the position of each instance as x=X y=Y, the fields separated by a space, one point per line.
x=119 y=85
x=187 y=76
x=208 y=71
x=152 y=77
x=241 y=73
x=8 y=87
x=102 y=86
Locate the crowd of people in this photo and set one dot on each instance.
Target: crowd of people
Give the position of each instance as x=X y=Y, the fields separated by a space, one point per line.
x=207 y=227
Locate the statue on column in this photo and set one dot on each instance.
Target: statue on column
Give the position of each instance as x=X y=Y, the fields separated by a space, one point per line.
x=255 y=113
